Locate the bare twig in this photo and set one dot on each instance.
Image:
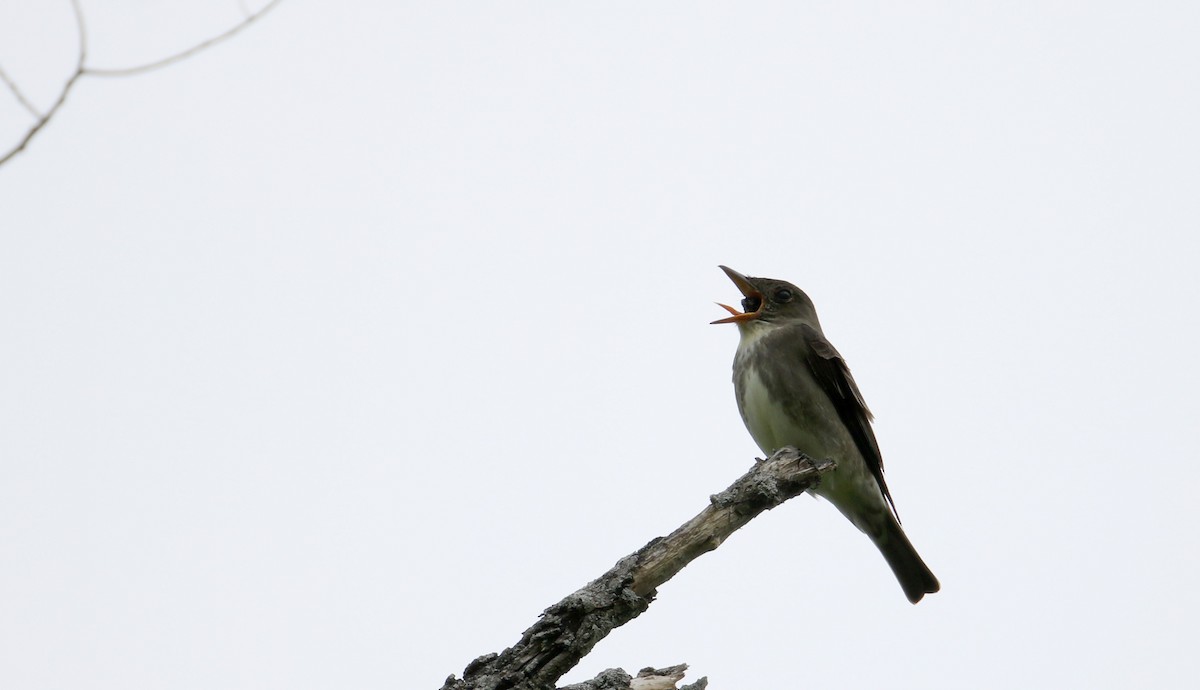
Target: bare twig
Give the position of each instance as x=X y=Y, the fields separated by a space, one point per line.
x=569 y=629
x=646 y=679
x=16 y=92
x=82 y=30
x=82 y=70
x=184 y=54
x=62 y=95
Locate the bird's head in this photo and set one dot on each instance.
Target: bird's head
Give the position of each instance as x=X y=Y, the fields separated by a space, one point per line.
x=768 y=301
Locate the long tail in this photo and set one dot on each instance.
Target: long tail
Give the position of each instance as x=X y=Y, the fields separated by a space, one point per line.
x=915 y=577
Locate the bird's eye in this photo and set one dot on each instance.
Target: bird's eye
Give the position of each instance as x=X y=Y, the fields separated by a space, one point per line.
x=783 y=295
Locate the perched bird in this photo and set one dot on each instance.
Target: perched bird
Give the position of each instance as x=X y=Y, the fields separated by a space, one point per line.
x=793 y=389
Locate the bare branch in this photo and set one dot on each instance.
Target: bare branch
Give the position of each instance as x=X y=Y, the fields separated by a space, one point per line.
x=646 y=679
x=568 y=630
x=16 y=92
x=81 y=70
x=182 y=55
x=62 y=95
x=82 y=35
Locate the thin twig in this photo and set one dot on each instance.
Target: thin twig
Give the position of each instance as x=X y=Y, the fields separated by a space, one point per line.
x=150 y=66
x=16 y=92
x=81 y=70
x=82 y=35
x=62 y=95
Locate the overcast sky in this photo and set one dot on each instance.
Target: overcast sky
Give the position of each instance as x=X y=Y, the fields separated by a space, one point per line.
x=332 y=356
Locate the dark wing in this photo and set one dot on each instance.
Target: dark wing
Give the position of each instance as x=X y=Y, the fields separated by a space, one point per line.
x=833 y=375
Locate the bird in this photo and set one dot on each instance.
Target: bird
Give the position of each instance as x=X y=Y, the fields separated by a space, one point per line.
x=793 y=388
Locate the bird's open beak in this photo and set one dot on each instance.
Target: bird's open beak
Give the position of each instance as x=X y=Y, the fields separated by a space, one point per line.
x=753 y=299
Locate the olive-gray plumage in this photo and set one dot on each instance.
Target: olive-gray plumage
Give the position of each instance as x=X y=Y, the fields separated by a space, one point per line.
x=793 y=388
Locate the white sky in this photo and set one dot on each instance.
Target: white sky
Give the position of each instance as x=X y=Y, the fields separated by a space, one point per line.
x=331 y=357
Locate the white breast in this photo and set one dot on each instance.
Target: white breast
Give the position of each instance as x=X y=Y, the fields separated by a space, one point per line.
x=763 y=420
x=816 y=429
x=820 y=434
